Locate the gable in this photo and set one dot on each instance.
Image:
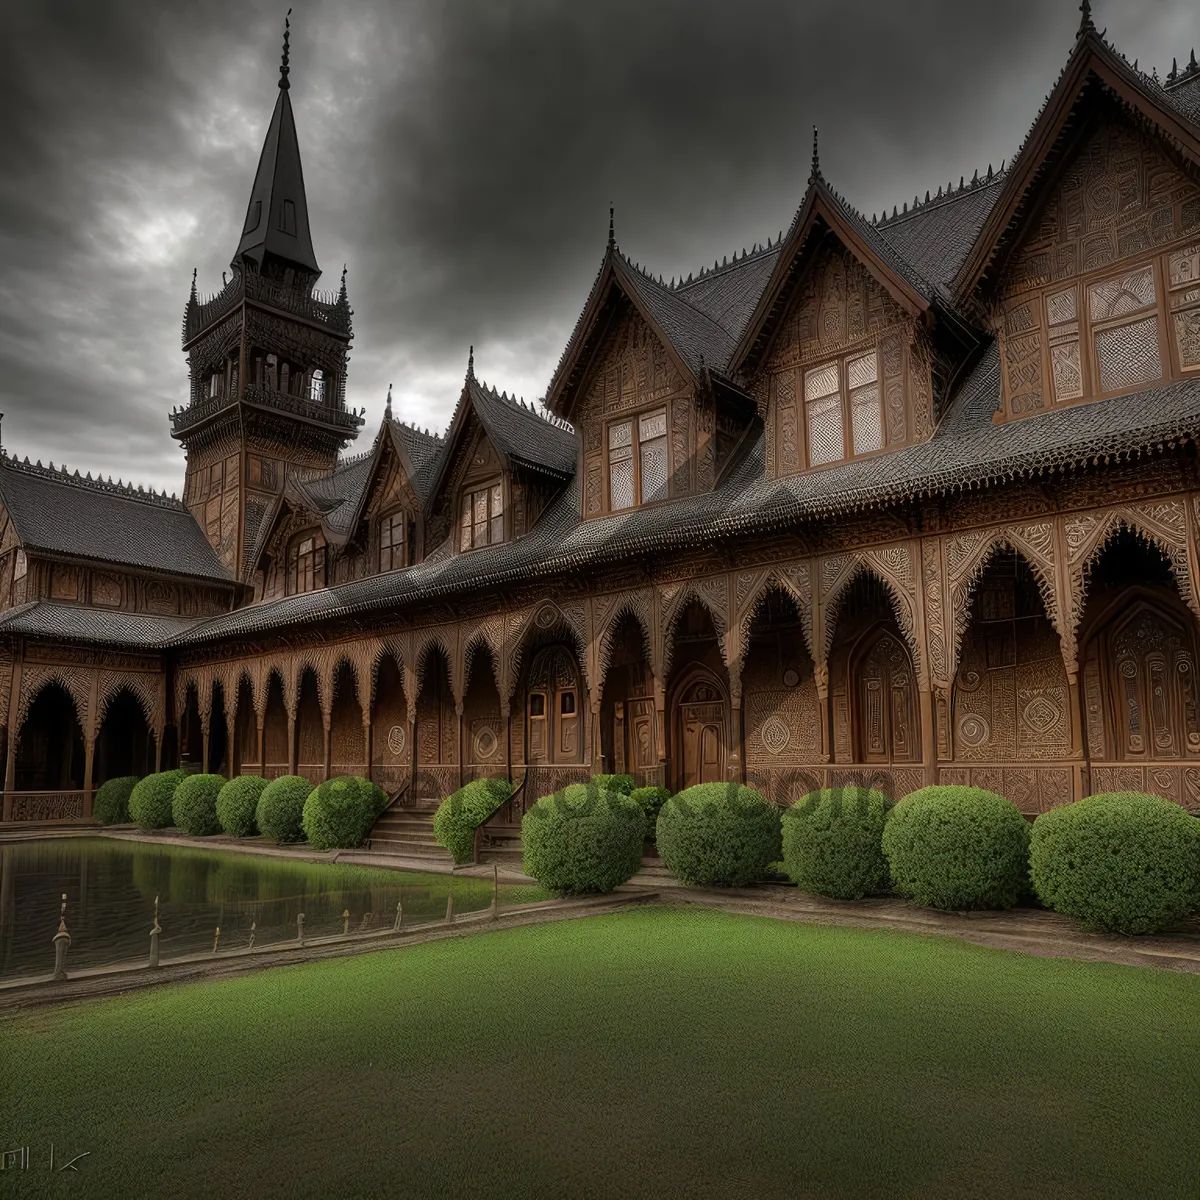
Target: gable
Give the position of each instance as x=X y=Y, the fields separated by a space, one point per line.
x=1117 y=200
x=631 y=371
x=392 y=488
x=472 y=459
x=838 y=309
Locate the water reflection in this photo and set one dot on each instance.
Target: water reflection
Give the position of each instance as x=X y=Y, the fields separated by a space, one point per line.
x=111 y=885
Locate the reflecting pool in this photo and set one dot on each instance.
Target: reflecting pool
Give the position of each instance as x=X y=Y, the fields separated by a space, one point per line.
x=111 y=884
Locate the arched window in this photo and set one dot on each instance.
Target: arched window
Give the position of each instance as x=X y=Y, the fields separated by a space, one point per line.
x=316 y=387
x=306 y=562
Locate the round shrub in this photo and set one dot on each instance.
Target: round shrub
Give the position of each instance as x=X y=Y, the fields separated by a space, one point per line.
x=339 y=813
x=280 y=811
x=150 y=800
x=1120 y=861
x=195 y=804
x=236 y=803
x=651 y=799
x=458 y=815
x=614 y=783
x=957 y=848
x=111 y=803
x=584 y=838
x=718 y=834
x=833 y=843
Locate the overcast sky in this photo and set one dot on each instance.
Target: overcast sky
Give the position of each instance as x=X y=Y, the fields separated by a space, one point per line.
x=460 y=158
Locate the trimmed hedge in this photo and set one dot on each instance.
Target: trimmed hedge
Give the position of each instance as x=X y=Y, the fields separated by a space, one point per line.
x=651 y=799
x=614 y=783
x=584 y=838
x=194 y=807
x=339 y=813
x=461 y=812
x=236 y=804
x=718 y=834
x=1120 y=861
x=957 y=848
x=832 y=843
x=150 y=800
x=280 y=811
x=111 y=803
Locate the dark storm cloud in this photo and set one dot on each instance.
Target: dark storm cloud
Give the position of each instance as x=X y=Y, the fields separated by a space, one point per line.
x=460 y=157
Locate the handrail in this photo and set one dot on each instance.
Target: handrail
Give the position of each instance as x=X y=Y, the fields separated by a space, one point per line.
x=477 y=843
x=393 y=800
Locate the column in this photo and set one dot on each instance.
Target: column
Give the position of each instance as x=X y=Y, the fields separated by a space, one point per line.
x=928 y=732
x=292 y=747
x=367 y=747
x=326 y=732
x=821 y=679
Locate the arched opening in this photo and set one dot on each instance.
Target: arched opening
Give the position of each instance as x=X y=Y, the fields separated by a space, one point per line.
x=391 y=752
x=554 y=718
x=191 y=731
x=698 y=702
x=276 y=750
x=484 y=733
x=629 y=737
x=50 y=752
x=437 y=730
x=218 y=734
x=1138 y=658
x=347 y=746
x=124 y=745
x=246 y=750
x=873 y=690
x=310 y=730
x=779 y=703
x=1010 y=699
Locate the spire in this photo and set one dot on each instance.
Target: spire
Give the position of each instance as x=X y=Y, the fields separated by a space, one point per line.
x=193 y=295
x=277 y=216
x=471 y=363
x=387 y=410
x=283 y=65
x=612 y=237
x=815 y=174
x=1085 y=19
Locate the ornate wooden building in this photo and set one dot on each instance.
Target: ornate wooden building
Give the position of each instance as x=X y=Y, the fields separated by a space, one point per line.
x=902 y=499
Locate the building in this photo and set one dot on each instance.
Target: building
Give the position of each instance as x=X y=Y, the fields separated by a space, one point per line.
x=899 y=500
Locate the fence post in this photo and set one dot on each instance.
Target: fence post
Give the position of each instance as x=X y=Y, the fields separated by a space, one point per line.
x=495 y=892
x=253 y=929
x=62 y=939
x=399 y=913
x=300 y=928
x=345 y=921
x=450 y=907
x=216 y=939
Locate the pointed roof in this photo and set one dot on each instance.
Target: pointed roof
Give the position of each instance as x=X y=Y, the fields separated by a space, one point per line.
x=277 y=216
x=1093 y=64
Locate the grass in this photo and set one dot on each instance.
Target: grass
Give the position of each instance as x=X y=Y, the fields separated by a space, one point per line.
x=654 y=1052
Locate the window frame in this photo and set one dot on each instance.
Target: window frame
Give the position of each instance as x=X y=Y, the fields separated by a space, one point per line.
x=634 y=420
x=319 y=555
x=388 y=521
x=468 y=493
x=842 y=362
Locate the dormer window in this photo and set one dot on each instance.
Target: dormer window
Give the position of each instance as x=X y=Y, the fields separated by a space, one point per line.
x=391 y=540
x=306 y=563
x=637 y=460
x=482 y=517
x=842 y=398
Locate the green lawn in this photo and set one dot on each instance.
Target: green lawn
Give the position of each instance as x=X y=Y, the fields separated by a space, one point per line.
x=650 y=1053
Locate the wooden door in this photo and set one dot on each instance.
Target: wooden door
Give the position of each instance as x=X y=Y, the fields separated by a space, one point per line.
x=701 y=733
x=553 y=708
x=887 y=710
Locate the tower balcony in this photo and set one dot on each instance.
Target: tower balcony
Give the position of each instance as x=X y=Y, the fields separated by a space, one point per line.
x=187 y=420
x=297 y=299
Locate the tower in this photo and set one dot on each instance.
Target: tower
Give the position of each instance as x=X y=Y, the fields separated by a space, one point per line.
x=266 y=357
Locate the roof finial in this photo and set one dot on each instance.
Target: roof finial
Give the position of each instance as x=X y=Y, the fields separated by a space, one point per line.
x=194 y=269
x=387 y=410
x=471 y=363
x=1085 y=18
x=612 y=237
x=815 y=173
x=283 y=66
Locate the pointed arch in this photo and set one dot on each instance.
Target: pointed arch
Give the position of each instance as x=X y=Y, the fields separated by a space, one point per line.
x=632 y=608
x=868 y=566
x=674 y=607
x=548 y=622
x=72 y=680
x=790 y=584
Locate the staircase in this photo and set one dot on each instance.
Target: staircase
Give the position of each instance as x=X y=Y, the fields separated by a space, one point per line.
x=501 y=844
x=654 y=872
x=408 y=833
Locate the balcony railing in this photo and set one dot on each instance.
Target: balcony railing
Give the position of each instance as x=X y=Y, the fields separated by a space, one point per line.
x=322 y=307
x=310 y=410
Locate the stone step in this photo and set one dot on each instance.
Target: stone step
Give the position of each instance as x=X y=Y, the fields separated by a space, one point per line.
x=405 y=848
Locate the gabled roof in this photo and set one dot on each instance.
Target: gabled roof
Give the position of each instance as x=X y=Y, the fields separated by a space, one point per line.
x=61 y=513
x=277 y=215
x=518 y=434
x=1093 y=63
x=823 y=209
x=729 y=292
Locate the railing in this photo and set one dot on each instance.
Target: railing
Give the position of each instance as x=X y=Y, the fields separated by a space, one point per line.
x=300 y=300
x=196 y=414
x=296 y=405
x=73 y=805
x=395 y=800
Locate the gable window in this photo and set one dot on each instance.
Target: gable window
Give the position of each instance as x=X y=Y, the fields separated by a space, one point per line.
x=391 y=541
x=842 y=398
x=637 y=460
x=306 y=563
x=482 y=517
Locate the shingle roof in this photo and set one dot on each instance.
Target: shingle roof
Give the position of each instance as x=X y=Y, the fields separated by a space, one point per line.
x=335 y=497
x=728 y=294
x=519 y=432
x=41 y=618
x=424 y=450
x=61 y=513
